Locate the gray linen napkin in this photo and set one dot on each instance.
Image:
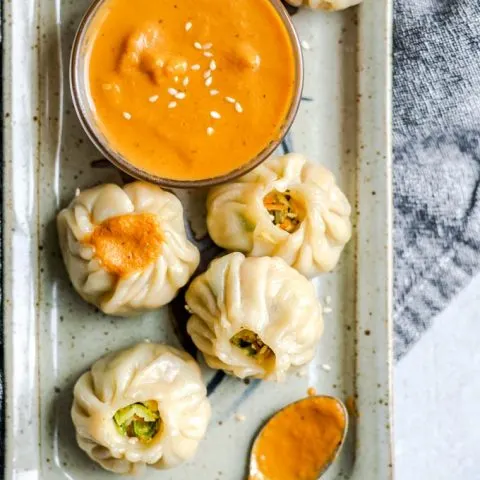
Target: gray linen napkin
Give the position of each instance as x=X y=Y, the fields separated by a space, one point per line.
x=436 y=138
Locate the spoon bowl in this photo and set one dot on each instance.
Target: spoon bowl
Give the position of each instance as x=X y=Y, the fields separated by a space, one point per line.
x=254 y=470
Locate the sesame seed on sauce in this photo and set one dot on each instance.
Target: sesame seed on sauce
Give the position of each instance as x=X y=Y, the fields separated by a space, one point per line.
x=238 y=108
x=176 y=78
x=213 y=65
x=230 y=100
x=215 y=115
x=181 y=65
x=207 y=46
x=210 y=131
x=180 y=95
x=198 y=45
x=208 y=54
x=153 y=98
x=127 y=116
x=214 y=92
x=172 y=104
x=188 y=26
x=207 y=74
x=186 y=81
x=172 y=91
x=195 y=67
x=208 y=81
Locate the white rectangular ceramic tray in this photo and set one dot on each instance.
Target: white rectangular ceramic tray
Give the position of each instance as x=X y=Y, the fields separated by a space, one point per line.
x=52 y=336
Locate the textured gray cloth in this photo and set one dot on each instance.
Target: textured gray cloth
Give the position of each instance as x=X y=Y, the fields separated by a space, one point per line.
x=436 y=136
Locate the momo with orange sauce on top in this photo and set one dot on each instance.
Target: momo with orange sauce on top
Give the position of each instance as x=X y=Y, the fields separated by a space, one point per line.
x=125 y=248
x=190 y=89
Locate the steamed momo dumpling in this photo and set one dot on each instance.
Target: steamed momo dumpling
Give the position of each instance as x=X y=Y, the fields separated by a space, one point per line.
x=145 y=405
x=288 y=208
x=126 y=249
x=254 y=317
x=328 y=5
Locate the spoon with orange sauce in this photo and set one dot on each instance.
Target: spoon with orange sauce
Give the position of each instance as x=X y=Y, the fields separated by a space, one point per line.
x=301 y=441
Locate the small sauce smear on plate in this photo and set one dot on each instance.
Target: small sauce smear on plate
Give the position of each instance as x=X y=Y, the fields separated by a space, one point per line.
x=190 y=89
x=300 y=440
x=127 y=243
x=311 y=392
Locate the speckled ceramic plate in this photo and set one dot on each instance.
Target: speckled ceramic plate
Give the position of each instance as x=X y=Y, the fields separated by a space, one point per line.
x=52 y=336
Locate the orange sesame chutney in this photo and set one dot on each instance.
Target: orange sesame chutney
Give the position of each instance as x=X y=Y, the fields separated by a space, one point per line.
x=190 y=89
x=127 y=243
x=298 y=442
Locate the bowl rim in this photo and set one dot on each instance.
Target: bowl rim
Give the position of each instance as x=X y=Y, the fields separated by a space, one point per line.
x=117 y=159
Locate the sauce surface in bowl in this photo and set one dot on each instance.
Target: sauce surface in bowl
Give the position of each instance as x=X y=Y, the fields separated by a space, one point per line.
x=190 y=89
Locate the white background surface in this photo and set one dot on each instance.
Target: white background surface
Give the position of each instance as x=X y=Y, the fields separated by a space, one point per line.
x=437 y=397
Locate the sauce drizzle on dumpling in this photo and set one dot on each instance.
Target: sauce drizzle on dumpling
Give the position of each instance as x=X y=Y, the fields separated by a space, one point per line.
x=127 y=243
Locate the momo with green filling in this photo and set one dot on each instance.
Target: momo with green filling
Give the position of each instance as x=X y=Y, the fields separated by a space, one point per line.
x=254 y=316
x=123 y=432
x=139 y=420
x=288 y=207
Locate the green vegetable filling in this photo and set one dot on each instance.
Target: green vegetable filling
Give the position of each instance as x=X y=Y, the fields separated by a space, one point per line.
x=139 y=420
x=251 y=344
x=285 y=212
